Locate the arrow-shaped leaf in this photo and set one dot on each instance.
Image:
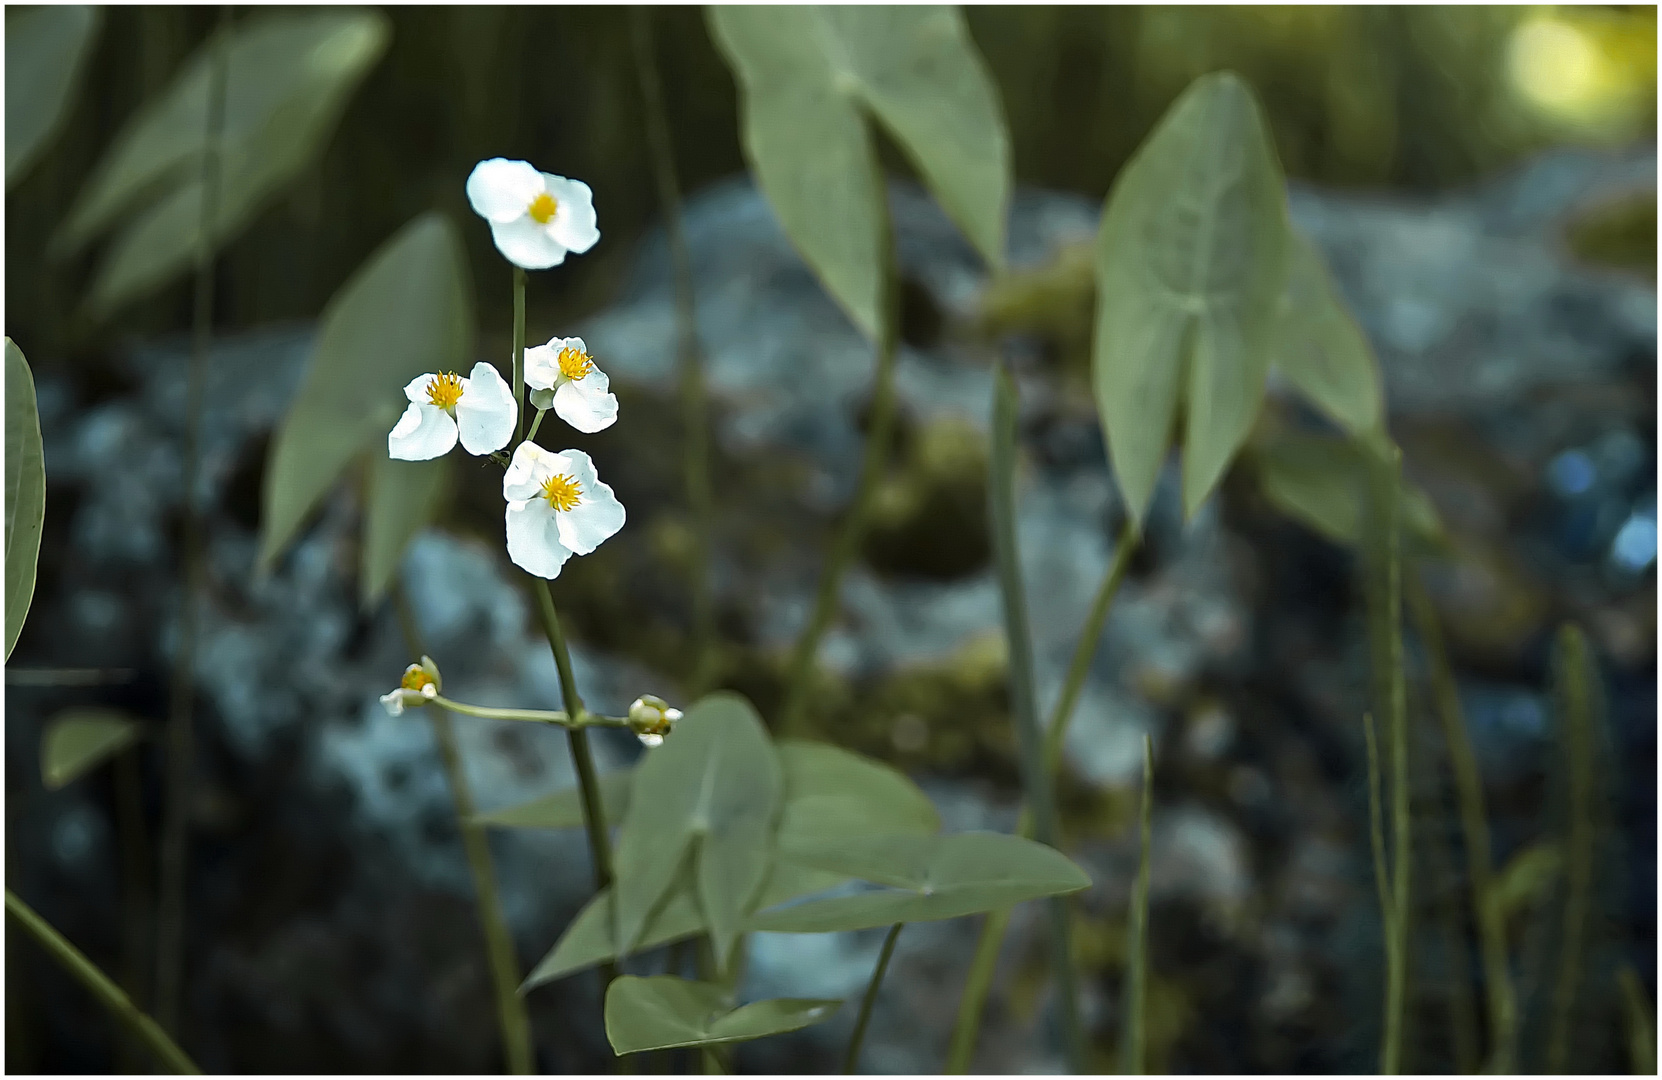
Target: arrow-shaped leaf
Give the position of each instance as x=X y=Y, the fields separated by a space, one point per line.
x=77 y=740
x=25 y=491
x=662 y=1011
x=1319 y=347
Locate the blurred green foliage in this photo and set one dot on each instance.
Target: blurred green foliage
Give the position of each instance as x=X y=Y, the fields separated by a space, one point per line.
x=1381 y=97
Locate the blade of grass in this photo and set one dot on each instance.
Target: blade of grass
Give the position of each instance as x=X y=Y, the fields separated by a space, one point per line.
x=170 y=919
x=1134 y=1040
x=1468 y=786
x=689 y=359
x=108 y=993
x=1640 y=1016
x=851 y=1059
x=980 y=980
x=499 y=943
x=1577 y=680
x=1023 y=708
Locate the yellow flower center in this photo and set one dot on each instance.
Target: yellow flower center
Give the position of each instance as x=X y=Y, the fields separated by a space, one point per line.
x=415 y=678
x=575 y=363
x=562 y=492
x=445 y=390
x=542 y=208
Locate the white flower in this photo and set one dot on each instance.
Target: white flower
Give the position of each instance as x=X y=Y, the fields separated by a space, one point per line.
x=557 y=508
x=419 y=686
x=479 y=408
x=535 y=217
x=582 y=393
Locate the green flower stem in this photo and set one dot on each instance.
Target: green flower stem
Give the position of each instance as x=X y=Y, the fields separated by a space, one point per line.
x=536 y=422
x=694 y=422
x=560 y=718
x=1576 y=676
x=1376 y=841
x=108 y=993
x=872 y=463
x=851 y=1059
x=1001 y=503
x=1468 y=785
x=499 y=943
x=594 y=816
x=979 y=983
x=1637 y=1010
x=519 y=351
x=170 y=923
x=1134 y=1040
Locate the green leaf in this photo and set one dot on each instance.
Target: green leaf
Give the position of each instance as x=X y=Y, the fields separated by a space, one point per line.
x=563 y=809
x=711 y=792
x=25 y=491
x=287 y=78
x=403 y=498
x=1190 y=270
x=806 y=77
x=1526 y=878
x=931 y=877
x=662 y=1011
x=589 y=939
x=77 y=740
x=46 y=48
x=403 y=313
x=1319 y=347
x=831 y=792
x=1320 y=481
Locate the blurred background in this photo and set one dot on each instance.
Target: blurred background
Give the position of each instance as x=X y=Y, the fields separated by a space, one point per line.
x=1482 y=181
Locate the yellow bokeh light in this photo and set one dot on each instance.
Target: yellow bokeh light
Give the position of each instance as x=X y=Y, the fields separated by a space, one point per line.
x=1557 y=67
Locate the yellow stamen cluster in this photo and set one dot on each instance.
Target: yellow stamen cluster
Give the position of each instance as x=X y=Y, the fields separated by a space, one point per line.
x=542 y=208
x=575 y=363
x=562 y=492
x=416 y=678
x=445 y=390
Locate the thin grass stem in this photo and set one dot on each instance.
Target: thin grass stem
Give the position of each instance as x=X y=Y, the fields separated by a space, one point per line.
x=1640 y=1017
x=170 y=922
x=108 y=993
x=851 y=1059
x=976 y=987
x=1576 y=682
x=1133 y=1045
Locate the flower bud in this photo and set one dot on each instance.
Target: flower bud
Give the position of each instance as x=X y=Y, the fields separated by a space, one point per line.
x=419 y=685
x=651 y=718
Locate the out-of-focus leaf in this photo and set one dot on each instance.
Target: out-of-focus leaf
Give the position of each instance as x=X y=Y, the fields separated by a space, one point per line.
x=287 y=76
x=1190 y=269
x=563 y=809
x=1320 y=480
x=404 y=312
x=25 y=491
x=1319 y=347
x=403 y=497
x=831 y=792
x=931 y=877
x=1524 y=880
x=806 y=74
x=661 y=1011
x=46 y=48
x=589 y=940
x=76 y=740
x=714 y=787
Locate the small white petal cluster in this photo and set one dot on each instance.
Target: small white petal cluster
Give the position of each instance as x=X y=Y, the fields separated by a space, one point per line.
x=557 y=508
x=535 y=217
x=444 y=407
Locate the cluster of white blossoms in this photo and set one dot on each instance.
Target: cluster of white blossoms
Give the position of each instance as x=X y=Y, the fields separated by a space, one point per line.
x=557 y=506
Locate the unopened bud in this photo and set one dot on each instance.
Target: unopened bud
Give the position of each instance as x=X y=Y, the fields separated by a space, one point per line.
x=651 y=718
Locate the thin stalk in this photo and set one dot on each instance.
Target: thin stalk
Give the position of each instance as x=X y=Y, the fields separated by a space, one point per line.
x=689 y=359
x=873 y=460
x=1001 y=504
x=851 y=1059
x=108 y=993
x=1637 y=1010
x=536 y=422
x=558 y=718
x=1376 y=836
x=519 y=351
x=135 y=883
x=170 y=926
x=979 y=983
x=1576 y=677
x=1133 y=1052
x=1468 y=786
x=594 y=816
x=499 y=942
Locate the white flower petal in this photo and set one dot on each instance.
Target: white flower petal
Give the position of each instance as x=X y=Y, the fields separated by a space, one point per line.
x=500 y=190
x=393 y=703
x=423 y=432
x=534 y=538
x=485 y=412
x=574 y=218
x=587 y=404
x=529 y=469
x=526 y=244
x=597 y=516
x=416 y=388
x=542 y=366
